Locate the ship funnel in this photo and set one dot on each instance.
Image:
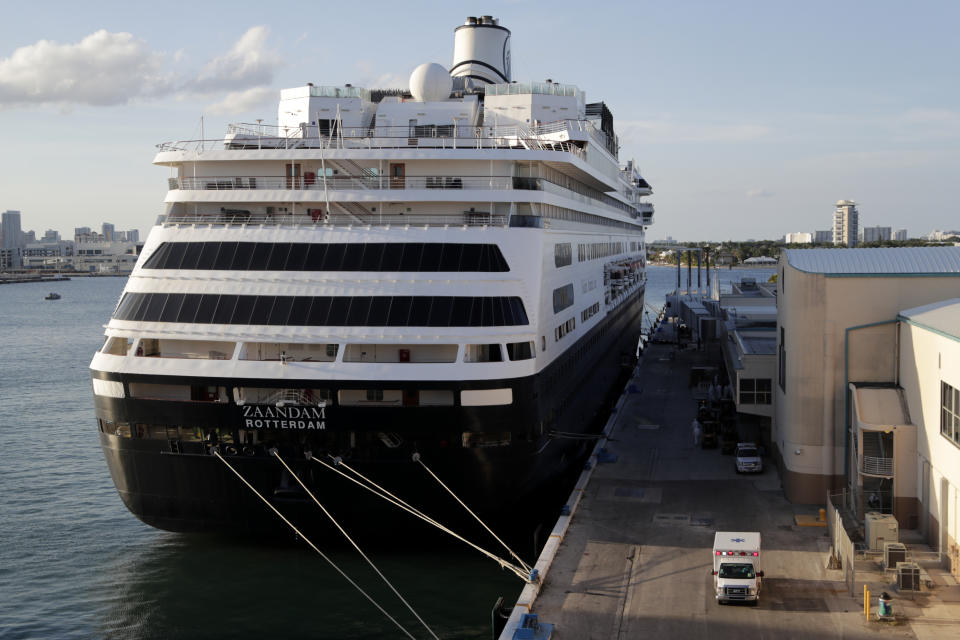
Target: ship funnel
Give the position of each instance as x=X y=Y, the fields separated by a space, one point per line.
x=481 y=50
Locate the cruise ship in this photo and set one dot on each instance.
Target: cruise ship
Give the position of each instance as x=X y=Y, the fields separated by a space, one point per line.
x=452 y=273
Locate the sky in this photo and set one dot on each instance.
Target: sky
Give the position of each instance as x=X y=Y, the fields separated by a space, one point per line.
x=750 y=119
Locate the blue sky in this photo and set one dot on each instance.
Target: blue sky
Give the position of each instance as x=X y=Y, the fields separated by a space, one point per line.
x=750 y=119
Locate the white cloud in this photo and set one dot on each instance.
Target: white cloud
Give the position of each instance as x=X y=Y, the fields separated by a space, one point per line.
x=759 y=193
x=668 y=130
x=244 y=101
x=249 y=63
x=102 y=69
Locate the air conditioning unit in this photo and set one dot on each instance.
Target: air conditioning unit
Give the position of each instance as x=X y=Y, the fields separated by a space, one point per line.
x=880 y=528
x=893 y=553
x=908 y=576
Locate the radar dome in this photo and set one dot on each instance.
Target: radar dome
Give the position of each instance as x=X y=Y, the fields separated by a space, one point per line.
x=430 y=82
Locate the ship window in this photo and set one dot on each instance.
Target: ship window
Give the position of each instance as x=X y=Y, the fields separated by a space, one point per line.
x=339 y=308
x=224 y=311
x=243 y=310
x=281 y=311
x=334 y=258
x=297 y=257
x=470 y=260
x=315 y=257
x=399 y=311
x=299 y=311
x=440 y=312
x=262 y=307
x=206 y=308
x=278 y=257
x=191 y=255
x=462 y=308
x=392 y=254
x=411 y=256
x=430 y=259
x=352 y=257
x=359 y=310
x=260 y=257
x=155 y=306
x=379 y=312
x=520 y=350
x=562 y=298
x=225 y=256
x=482 y=353
x=172 y=308
x=562 y=254
x=188 y=311
x=319 y=311
x=208 y=255
x=242 y=257
x=450 y=259
x=371 y=257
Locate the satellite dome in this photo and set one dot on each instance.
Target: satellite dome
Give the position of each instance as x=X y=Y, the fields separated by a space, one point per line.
x=430 y=82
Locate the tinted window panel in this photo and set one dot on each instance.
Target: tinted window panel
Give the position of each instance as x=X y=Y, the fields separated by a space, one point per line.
x=400 y=311
x=352 y=257
x=411 y=257
x=281 y=310
x=487 y=316
x=225 y=257
x=338 y=312
x=450 y=259
x=300 y=311
x=174 y=257
x=498 y=315
x=359 y=308
x=192 y=255
x=262 y=307
x=206 y=308
x=188 y=310
x=420 y=312
x=392 y=254
x=499 y=263
x=486 y=258
x=519 y=314
x=315 y=256
x=379 y=312
x=241 y=259
x=139 y=309
x=460 y=316
x=123 y=309
x=319 y=312
x=430 y=259
x=224 y=311
x=440 y=311
x=243 y=310
x=297 y=257
x=372 y=256
x=172 y=308
x=334 y=257
x=471 y=258
x=159 y=258
x=261 y=256
x=208 y=255
x=278 y=257
x=155 y=306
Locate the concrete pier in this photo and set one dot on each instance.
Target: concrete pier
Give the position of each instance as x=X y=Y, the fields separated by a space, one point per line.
x=634 y=560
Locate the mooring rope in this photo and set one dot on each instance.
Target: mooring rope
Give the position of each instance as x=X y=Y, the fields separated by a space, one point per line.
x=276 y=454
x=379 y=491
x=313 y=546
x=523 y=564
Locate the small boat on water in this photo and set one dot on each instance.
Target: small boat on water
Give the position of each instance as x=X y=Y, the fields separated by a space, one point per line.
x=53 y=296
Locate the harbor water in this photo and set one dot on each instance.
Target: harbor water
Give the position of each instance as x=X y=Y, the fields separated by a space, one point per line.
x=74 y=563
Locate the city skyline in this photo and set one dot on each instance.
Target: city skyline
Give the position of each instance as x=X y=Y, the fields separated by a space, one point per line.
x=746 y=118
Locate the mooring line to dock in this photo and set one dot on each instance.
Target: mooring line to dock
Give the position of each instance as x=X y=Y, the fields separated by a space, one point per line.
x=379 y=491
x=417 y=458
x=276 y=454
x=314 y=547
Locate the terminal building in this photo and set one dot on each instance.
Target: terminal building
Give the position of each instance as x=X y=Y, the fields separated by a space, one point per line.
x=867 y=377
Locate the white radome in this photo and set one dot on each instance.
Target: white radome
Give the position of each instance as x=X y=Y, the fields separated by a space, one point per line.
x=430 y=82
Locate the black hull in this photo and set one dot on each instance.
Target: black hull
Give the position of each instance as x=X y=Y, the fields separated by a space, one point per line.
x=177 y=485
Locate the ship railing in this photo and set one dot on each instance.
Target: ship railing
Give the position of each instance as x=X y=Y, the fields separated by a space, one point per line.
x=465 y=219
x=311 y=182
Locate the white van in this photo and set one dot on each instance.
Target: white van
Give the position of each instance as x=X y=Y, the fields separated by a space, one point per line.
x=737 y=572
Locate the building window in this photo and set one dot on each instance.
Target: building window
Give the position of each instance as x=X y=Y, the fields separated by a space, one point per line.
x=562 y=254
x=782 y=359
x=562 y=298
x=755 y=390
x=950 y=413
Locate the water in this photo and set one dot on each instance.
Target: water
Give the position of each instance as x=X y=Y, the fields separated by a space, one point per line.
x=663 y=280
x=74 y=563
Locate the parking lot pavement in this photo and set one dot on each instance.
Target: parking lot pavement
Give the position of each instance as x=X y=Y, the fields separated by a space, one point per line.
x=637 y=558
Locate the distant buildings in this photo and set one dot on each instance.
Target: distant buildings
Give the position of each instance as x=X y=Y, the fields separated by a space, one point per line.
x=111 y=251
x=798 y=237
x=940 y=236
x=823 y=237
x=11 y=249
x=900 y=235
x=876 y=234
x=846 y=223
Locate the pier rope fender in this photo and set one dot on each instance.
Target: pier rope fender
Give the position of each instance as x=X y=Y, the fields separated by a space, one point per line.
x=313 y=546
x=276 y=455
x=379 y=491
x=417 y=458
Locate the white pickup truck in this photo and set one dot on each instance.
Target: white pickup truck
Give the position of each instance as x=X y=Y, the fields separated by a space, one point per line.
x=737 y=573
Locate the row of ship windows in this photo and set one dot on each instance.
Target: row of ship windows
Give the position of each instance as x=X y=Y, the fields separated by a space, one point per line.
x=572 y=215
x=319 y=311
x=594 y=250
x=285 y=401
x=564 y=329
x=320 y=352
x=589 y=312
x=303 y=256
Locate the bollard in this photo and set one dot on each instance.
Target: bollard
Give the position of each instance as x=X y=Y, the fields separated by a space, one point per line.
x=885 y=610
x=866 y=602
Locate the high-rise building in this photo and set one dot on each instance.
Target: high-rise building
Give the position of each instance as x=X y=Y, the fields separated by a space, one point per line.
x=823 y=237
x=108 y=232
x=12 y=239
x=798 y=237
x=81 y=231
x=51 y=235
x=133 y=235
x=876 y=234
x=845 y=223
x=900 y=234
